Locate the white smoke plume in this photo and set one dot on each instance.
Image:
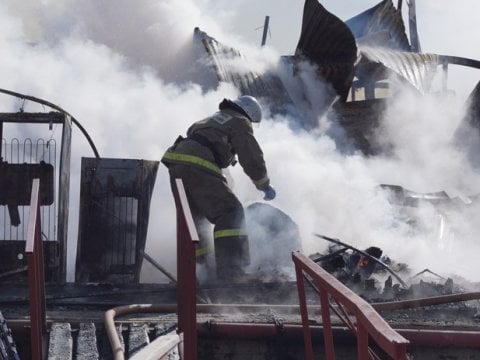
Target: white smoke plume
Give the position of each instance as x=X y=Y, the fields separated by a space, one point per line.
x=126 y=71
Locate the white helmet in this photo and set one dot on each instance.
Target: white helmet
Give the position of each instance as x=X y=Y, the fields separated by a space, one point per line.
x=251 y=107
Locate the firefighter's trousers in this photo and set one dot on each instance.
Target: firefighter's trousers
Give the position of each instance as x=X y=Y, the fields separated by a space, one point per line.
x=209 y=196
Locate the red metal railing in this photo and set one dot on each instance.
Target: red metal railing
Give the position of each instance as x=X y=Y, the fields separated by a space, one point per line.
x=36 y=277
x=187 y=237
x=368 y=324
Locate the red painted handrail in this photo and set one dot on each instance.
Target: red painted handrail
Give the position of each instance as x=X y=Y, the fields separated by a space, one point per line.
x=369 y=324
x=187 y=237
x=36 y=277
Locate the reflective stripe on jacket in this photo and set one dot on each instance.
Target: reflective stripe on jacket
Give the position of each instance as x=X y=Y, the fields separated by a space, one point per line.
x=171 y=156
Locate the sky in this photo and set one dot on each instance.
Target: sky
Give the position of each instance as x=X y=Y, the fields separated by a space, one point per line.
x=124 y=69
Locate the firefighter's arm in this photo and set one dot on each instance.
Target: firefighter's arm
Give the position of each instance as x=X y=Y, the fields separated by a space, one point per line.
x=250 y=156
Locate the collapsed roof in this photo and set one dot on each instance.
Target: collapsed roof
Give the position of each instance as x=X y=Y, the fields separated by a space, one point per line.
x=361 y=59
x=222 y=62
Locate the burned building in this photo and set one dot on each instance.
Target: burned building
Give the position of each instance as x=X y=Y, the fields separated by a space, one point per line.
x=360 y=63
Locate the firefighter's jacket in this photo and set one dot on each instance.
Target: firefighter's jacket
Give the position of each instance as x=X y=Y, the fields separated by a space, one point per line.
x=212 y=144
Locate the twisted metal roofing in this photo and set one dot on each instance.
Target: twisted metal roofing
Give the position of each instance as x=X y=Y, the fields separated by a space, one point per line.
x=381 y=25
x=417 y=69
x=224 y=61
x=326 y=41
x=383 y=47
x=371 y=46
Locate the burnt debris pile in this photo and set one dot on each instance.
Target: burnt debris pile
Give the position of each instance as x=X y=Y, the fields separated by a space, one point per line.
x=377 y=278
x=8 y=349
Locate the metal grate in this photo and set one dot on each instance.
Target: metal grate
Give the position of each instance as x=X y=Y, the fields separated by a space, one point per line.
x=28 y=151
x=114 y=207
x=121 y=220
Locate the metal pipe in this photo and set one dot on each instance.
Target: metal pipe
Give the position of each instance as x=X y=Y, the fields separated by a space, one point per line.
x=417 y=337
x=445 y=76
x=109 y=320
x=412 y=22
x=457 y=60
x=56 y=107
x=435 y=300
x=265 y=30
x=159 y=267
x=442 y=338
x=13 y=272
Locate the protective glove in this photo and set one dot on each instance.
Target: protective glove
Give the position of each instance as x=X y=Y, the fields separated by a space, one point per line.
x=270 y=193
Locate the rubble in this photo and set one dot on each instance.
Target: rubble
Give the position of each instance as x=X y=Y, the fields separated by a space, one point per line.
x=8 y=349
x=377 y=278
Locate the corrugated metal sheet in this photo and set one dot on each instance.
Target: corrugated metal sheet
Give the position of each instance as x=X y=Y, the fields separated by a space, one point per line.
x=417 y=69
x=326 y=41
x=266 y=85
x=381 y=25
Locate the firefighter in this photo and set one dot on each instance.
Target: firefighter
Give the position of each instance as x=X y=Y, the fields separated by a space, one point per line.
x=213 y=144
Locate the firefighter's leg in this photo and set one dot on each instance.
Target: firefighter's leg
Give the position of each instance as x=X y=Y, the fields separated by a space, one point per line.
x=212 y=197
x=205 y=245
x=204 y=249
x=230 y=237
x=230 y=240
x=204 y=252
